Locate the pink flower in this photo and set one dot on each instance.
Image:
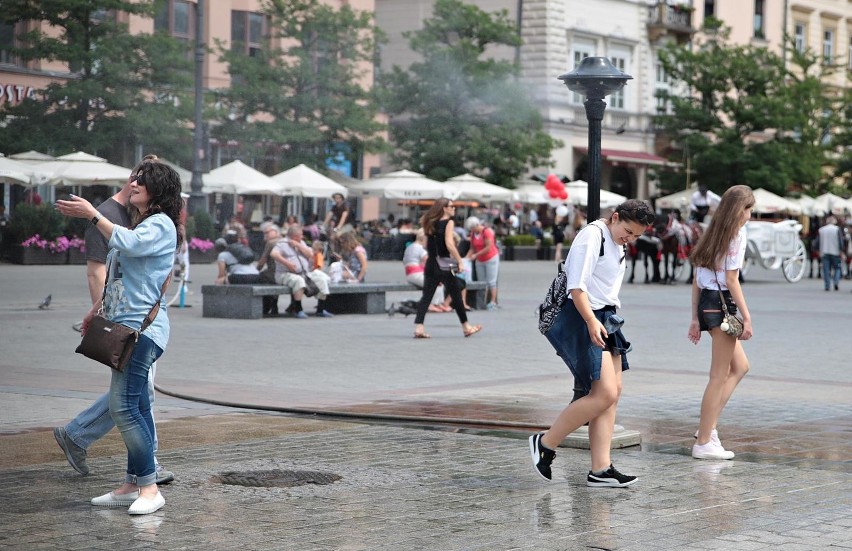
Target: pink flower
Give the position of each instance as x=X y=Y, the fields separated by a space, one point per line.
x=202 y=245
x=59 y=245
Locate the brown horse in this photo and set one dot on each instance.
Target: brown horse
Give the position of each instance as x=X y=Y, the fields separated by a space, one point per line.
x=675 y=253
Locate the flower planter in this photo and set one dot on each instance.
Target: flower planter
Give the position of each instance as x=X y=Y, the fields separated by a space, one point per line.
x=202 y=257
x=33 y=255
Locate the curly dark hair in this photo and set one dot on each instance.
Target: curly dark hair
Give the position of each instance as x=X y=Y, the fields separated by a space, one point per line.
x=163 y=185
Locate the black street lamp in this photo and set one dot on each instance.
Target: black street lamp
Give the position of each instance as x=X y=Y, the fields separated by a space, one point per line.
x=595 y=78
x=197 y=198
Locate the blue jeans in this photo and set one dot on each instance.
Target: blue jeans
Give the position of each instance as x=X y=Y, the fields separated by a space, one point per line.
x=830 y=263
x=130 y=408
x=94 y=422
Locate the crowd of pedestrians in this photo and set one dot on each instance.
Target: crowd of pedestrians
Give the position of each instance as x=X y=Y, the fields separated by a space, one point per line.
x=133 y=237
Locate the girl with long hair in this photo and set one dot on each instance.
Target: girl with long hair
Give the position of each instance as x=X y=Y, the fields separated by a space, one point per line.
x=439 y=228
x=718 y=258
x=138 y=265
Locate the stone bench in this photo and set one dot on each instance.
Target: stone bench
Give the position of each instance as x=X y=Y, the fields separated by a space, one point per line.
x=246 y=301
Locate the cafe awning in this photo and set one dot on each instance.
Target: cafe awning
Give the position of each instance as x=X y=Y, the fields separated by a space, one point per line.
x=621 y=157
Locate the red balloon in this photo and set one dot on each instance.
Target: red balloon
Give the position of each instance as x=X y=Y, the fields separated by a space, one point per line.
x=553 y=181
x=553 y=193
x=563 y=195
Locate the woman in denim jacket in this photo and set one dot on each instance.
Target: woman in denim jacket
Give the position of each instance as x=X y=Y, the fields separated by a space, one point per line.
x=139 y=262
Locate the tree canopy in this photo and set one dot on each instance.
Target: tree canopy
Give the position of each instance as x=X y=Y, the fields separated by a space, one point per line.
x=309 y=99
x=744 y=117
x=123 y=90
x=458 y=111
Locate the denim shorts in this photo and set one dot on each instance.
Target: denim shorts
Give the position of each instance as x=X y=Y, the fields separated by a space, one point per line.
x=570 y=337
x=710 y=308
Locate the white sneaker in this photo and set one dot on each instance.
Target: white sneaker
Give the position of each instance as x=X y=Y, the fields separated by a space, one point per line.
x=145 y=506
x=714 y=436
x=711 y=450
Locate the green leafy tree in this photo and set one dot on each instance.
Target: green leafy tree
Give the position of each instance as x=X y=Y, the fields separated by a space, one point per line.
x=123 y=90
x=843 y=139
x=748 y=119
x=308 y=99
x=458 y=111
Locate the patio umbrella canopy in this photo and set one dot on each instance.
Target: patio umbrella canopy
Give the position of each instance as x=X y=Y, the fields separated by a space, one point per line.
x=578 y=194
x=239 y=178
x=530 y=193
x=303 y=181
x=18 y=172
x=82 y=169
x=32 y=155
x=468 y=187
x=402 y=184
x=829 y=203
x=676 y=200
x=767 y=202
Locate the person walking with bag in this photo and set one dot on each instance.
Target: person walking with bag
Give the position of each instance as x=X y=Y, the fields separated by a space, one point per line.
x=439 y=228
x=138 y=265
x=579 y=320
x=718 y=257
x=94 y=422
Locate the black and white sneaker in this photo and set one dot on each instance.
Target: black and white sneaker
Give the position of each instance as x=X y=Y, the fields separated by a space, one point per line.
x=542 y=457
x=610 y=478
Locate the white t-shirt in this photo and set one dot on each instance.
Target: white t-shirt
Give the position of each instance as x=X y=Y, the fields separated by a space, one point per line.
x=830 y=239
x=710 y=200
x=706 y=278
x=599 y=276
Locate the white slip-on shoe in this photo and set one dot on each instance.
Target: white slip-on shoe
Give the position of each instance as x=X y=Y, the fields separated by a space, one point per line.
x=113 y=499
x=711 y=450
x=144 y=505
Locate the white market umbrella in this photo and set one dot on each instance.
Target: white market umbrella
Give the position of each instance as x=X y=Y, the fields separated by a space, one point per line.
x=402 y=184
x=676 y=200
x=241 y=179
x=184 y=174
x=829 y=203
x=472 y=188
x=768 y=202
x=303 y=181
x=82 y=169
x=32 y=155
x=18 y=172
x=530 y=193
x=578 y=194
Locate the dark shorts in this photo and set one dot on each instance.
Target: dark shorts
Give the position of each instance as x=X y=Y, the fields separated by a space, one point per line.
x=570 y=337
x=710 y=308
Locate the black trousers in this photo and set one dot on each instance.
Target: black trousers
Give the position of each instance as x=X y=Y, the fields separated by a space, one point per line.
x=432 y=276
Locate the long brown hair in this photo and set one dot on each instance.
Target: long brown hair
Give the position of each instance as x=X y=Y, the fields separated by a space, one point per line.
x=724 y=226
x=435 y=213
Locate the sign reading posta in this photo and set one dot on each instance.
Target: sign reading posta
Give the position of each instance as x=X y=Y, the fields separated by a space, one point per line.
x=15 y=93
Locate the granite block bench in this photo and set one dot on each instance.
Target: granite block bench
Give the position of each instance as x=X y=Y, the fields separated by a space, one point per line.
x=246 y=301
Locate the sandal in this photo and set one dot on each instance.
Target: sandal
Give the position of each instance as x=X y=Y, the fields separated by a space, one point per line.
x=473 y=330
x=423 y=335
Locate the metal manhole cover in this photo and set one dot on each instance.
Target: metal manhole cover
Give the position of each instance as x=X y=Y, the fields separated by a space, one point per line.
x=275 y=478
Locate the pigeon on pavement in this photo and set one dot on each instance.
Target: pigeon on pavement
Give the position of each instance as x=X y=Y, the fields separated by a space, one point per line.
x=45 y=303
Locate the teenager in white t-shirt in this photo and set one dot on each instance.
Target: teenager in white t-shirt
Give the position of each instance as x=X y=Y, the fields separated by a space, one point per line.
x=587 y=336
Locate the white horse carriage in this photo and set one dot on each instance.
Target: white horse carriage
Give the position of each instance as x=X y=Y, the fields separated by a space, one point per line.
x=776 y=245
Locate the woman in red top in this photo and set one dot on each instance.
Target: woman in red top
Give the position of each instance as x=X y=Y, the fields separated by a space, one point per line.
x=484 y=251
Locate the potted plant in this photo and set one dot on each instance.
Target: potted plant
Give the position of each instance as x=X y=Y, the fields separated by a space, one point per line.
x=200 y=235
x=525 y=247
x=35 y=231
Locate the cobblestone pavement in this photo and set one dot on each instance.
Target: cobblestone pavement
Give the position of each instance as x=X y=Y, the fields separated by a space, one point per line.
x=403 y=488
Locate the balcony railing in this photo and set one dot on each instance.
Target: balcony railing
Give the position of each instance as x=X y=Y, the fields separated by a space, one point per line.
x=674 y=19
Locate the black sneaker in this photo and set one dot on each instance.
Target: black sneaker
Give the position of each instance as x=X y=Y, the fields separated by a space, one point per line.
x=542 y=457
x=610 y=478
